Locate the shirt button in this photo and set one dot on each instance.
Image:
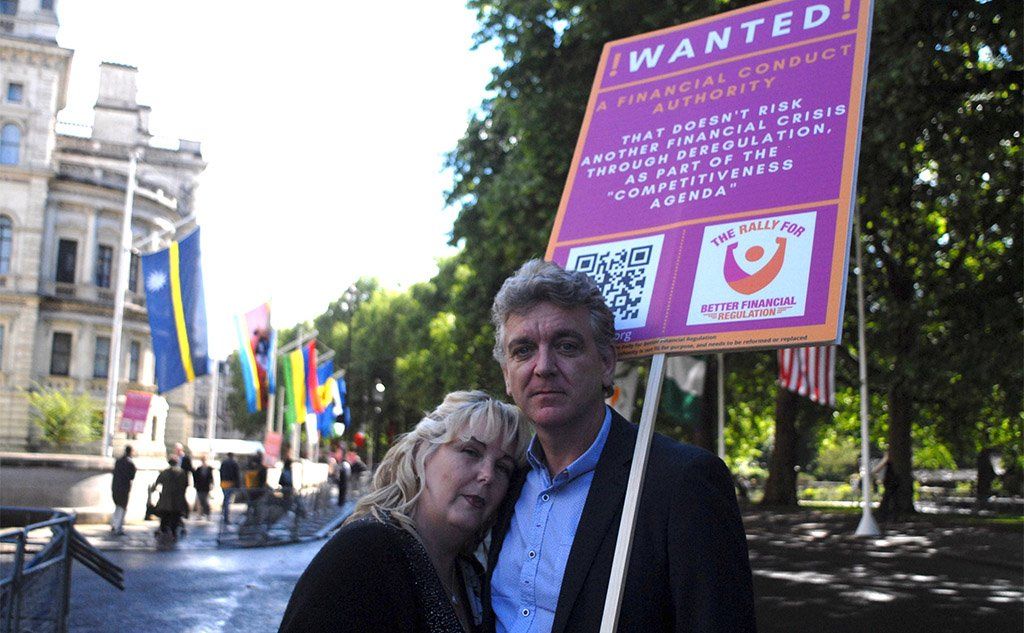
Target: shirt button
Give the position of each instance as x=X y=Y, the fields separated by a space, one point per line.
x=526 y=612
x=531 y=553
x=545 y=497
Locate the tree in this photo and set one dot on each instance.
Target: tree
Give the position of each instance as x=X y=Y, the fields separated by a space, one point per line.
x=65 y=418
x=940 y=191
x=252 y=425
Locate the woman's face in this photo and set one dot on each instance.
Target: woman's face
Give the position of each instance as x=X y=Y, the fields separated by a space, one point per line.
x=464 y=481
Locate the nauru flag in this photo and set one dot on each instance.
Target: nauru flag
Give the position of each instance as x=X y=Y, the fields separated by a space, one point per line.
x=177 y=312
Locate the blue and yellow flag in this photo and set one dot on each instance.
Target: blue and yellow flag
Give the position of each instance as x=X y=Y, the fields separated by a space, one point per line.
x=177 y=312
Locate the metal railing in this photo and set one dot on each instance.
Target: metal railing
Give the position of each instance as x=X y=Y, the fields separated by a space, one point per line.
x=37 y=549
x=273 y=517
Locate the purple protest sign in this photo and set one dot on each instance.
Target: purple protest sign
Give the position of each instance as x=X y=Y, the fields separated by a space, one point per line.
x=711 y=189
x=136 y=411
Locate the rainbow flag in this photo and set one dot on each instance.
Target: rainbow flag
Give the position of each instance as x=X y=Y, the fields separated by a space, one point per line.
x=294 y=388
x=177 y=312
x=256 y=347
x=314 y=403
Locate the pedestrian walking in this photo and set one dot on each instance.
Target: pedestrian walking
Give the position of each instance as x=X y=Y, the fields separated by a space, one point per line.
x=203 y=480
x=230 y=478
x=286 y=480
x=120 y=488
x=342 y=472
x=182 y=459
x=172 y=506
x=255 y=478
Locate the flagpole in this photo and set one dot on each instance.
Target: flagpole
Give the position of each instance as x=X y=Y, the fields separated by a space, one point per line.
x=624 y=541
x=211 y=417
x=272 y=366
x=280 y=410
x=114 y=364
x=721 y=406
x=867 y=525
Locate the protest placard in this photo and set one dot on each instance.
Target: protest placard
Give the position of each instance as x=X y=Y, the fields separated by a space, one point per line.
x=711 y=191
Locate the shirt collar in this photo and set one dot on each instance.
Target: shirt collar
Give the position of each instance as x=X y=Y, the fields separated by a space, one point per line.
x=583 y=464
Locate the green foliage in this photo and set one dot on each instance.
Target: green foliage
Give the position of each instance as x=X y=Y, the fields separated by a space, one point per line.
x=65 y=418
x=840 y=492
x=837 y=461
x=941 y=205
x=929 y=452
x=252 y=425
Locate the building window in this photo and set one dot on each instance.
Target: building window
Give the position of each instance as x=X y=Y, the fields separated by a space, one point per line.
x=6 y=241
x=15 y=92
x=67 y=254
x=10 y=144
x=8 y=7
x=133 y=273
x=46 y=5
x=104 y=263
x=101 y=357
x=60 y=354
x=134 y=352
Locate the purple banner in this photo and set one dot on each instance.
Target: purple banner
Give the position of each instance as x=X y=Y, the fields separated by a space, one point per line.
x=711 y=189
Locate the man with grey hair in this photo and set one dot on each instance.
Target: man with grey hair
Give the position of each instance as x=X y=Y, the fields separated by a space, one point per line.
x=554 y=541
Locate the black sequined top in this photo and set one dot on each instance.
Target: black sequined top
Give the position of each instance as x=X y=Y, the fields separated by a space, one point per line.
x=374 y=576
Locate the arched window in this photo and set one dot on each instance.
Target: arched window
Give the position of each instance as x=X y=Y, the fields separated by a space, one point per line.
x=10 y=144
x=6 y=240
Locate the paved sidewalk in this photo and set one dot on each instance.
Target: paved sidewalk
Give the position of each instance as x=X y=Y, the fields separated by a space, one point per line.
x=202 y=534
x=929 y=573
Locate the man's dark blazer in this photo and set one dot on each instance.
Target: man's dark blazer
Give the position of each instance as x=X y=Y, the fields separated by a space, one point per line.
x=688 y=569
x=186 y=465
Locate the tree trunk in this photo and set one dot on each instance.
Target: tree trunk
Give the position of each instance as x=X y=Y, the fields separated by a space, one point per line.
x=706 y=433
x=780 y=489
x=901 y=498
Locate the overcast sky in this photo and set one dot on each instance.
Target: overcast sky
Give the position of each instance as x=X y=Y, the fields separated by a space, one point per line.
x=324 y=126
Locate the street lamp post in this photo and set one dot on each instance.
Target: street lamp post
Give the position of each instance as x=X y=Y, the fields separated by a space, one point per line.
x=378 y=410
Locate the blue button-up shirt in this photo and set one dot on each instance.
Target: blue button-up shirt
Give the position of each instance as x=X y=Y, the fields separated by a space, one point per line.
x=528 y=576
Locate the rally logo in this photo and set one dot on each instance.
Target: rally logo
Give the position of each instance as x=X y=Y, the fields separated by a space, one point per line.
x=748 y=283
x=753 y=270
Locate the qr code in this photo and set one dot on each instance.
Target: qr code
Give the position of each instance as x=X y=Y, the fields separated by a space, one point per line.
x=625 y=272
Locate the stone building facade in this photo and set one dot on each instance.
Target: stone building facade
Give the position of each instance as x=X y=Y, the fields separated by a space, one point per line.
x=62 y=198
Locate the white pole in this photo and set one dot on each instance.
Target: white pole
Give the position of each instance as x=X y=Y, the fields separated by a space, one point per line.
x=272 y=366
x=211 y=417
x=867 y=525
x=624 y=542
x=280 y=409
x=721 y=406
x=123 y=264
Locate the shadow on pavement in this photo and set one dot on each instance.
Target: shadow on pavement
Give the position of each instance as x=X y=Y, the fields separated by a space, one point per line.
x=924 y=574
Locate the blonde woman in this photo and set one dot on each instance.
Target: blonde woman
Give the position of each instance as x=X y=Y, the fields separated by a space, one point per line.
x=403 y=561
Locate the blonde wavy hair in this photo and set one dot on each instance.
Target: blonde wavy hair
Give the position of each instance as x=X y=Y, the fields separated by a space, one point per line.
x=398 y=481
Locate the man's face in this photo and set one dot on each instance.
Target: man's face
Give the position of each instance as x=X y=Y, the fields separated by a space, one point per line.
x=553 y=369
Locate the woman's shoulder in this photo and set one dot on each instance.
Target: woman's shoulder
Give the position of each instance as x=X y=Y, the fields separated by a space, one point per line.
x=359 y=581
x=367 y=537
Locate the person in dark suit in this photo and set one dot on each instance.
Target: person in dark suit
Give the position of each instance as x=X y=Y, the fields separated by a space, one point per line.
x=553 y=542
x=172 y=506
x=120 y=489
x=230 y=480
x=202 y=477
x=183 y=460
